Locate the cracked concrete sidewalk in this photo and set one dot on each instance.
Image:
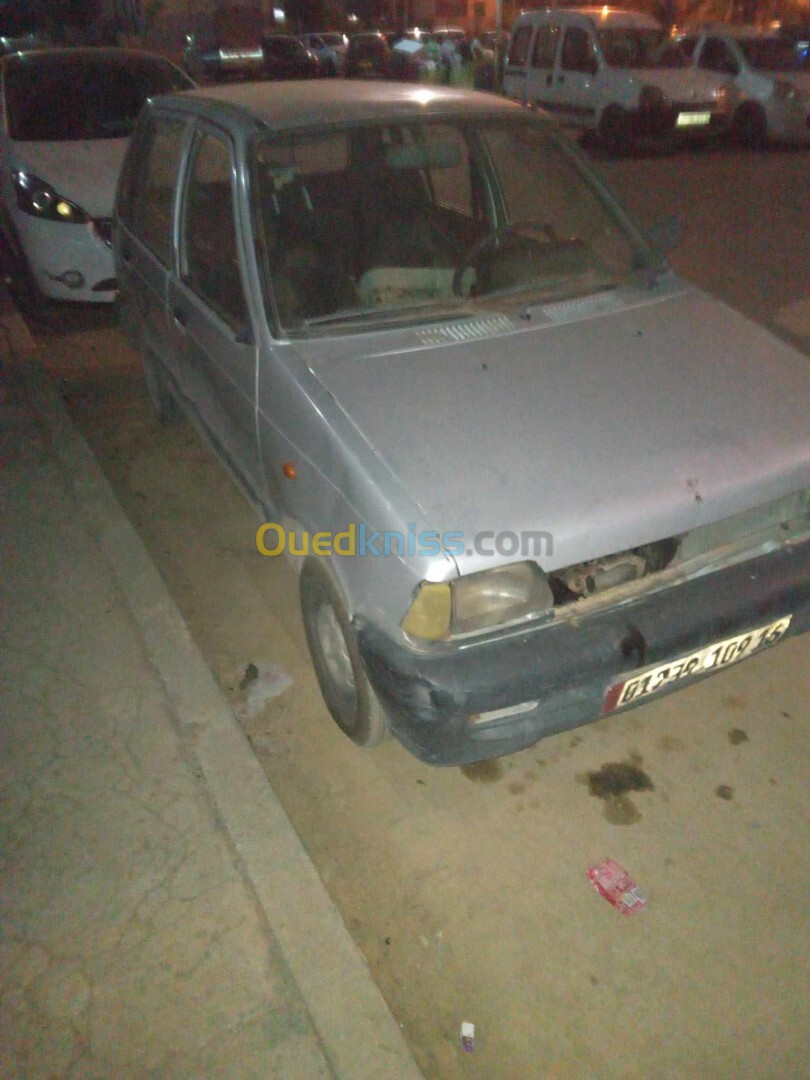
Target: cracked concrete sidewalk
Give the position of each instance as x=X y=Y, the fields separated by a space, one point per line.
x=158 y=914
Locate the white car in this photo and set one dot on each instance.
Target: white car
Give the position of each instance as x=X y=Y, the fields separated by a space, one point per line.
x=768 y=83
x=610 y=71
x=65 y=120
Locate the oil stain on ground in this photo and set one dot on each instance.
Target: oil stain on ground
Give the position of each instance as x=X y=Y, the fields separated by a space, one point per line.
x=612 y=783
x=483 y=772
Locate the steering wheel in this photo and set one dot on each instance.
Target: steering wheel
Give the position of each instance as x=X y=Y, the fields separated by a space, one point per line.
x=496 y=236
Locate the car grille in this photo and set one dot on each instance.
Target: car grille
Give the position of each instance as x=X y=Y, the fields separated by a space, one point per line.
x=103 y=229
x=786 y=517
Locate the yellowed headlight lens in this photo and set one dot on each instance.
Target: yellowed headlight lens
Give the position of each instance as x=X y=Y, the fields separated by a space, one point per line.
x=428 y=617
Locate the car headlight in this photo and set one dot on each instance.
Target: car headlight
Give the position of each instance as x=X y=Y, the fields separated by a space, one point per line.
x=40 y=200
x=651 y=97
x=477 y=602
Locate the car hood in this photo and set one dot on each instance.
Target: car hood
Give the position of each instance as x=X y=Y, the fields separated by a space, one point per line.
x=84 y=172
x=604 y=432
x=681 y=84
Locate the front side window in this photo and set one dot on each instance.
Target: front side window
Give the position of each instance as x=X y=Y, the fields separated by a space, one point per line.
x=148 y=182
x=210 y=251
x=545 y=46
x=519 y=46
x=409 y=221
x=53 y=97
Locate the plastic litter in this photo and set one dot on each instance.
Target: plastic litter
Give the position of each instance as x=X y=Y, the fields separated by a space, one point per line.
x=260 y=682
x=618 y=888
x=468 y=1036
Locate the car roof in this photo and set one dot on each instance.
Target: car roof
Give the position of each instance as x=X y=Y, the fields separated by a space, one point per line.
x=608 y=16
x=105 y=52
x=728 y=30
x=313 y=103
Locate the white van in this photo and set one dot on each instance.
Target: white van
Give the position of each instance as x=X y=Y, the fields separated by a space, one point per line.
x=610 y=71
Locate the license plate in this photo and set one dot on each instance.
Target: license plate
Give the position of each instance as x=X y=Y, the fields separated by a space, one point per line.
x=709 y=658
x=693 y=119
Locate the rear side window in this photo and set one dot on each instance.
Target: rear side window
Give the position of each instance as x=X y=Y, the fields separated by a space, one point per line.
x=148 y=182
x=211 y=253
x=519 y=46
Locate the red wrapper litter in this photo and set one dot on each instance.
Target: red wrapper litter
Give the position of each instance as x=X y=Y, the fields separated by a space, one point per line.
x=616 y=885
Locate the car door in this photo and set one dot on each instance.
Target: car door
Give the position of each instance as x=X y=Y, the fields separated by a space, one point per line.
x=209 y=308
x=573 y=88
x=542 y=59
x=147 y=195
x=516 y=70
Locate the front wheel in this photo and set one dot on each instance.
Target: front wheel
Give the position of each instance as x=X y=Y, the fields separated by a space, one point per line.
x=344 y=684
x=751 y=127
x=37 y=308
x=164 y=403
x=615 y=129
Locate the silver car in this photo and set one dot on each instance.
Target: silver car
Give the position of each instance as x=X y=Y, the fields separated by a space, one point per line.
x=529 y=475
x=767 y=83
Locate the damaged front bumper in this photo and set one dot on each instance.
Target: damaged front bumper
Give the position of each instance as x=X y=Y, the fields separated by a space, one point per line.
x=473 y=700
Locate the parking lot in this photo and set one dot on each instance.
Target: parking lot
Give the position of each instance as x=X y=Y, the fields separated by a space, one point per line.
x=466 y=888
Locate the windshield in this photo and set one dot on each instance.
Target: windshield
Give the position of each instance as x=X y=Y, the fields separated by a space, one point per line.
x=771 y=54
x=630 y=47
x=407 y=220
x=55 y=98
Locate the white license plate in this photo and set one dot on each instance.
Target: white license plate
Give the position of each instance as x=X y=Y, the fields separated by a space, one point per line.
x=693 y=119
x=709 y=658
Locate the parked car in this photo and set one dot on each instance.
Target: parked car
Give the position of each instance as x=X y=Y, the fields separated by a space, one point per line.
x=527 y=473
x=285 y=57
x=767 y=77
x=225 y=44
x=66 y=117
x=330 y=49
x=368 y=56
x=610 y=71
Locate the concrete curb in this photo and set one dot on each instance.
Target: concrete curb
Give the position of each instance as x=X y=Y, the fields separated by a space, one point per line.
x=360 y=1037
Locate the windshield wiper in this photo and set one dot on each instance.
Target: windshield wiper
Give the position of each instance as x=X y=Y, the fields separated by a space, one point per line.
x=438 y=310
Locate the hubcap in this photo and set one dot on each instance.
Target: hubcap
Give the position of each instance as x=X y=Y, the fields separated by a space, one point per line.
x=333 y=648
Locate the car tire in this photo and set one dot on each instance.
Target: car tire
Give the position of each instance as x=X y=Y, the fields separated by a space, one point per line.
x=345 y=687
x=164 y=403
x=614 y=129
x=751 y=127
x=32 y=303
x=329 y=69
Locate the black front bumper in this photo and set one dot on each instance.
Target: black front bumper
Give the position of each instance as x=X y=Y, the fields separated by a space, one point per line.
x=433 y=697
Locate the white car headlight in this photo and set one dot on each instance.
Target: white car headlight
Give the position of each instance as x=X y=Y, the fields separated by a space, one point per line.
x=40 y=200
x=477 y=602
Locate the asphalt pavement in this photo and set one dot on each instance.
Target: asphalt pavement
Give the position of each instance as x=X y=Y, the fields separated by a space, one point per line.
x=159 y=916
